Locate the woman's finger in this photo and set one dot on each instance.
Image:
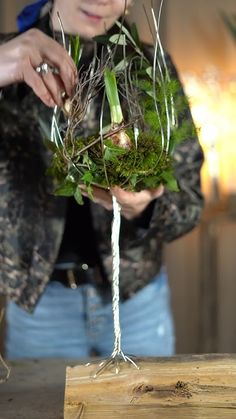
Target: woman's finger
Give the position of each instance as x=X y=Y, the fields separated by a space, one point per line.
x=68 y=77
x=125 y=197
x=54 y=86
x=32 y=78
x=57 y=53
x=100 y=196
x=59 y=57
x=52 y=53
x=22 y=55
x=156 y=193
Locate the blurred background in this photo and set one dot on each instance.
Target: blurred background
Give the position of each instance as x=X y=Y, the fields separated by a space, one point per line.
x=202 y=265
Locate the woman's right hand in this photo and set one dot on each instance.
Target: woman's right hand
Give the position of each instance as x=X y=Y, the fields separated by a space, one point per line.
x=20 y=57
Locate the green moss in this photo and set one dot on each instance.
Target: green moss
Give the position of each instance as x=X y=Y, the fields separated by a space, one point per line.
x=133 y=169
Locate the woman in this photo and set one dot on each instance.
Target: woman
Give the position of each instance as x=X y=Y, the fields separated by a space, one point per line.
x=41 y=254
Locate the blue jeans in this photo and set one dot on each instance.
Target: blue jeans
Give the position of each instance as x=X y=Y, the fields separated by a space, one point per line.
x=73 y=323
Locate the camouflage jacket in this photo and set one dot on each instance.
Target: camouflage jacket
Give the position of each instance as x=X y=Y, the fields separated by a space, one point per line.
x=32 y=218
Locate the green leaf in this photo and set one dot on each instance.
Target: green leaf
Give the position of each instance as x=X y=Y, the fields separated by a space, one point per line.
x=67 y=188
x=75 y=49
x=121 y=66
x=88 y=161
x=113 y=96
x=130 y=37
x=149 y=71
x=78 y=196
x=112 y=151
x=133 y=180
x=73 y=174
x=135 y=34
x=50 y=145
x=87 y=178
x=170 y=181
x=118 y=39
x=90 y=191
x=111 y=155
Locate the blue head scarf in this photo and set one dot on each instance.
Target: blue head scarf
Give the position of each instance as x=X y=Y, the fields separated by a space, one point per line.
x=29 y=15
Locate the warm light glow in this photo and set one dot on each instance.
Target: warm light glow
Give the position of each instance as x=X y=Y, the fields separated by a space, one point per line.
x=213 y=105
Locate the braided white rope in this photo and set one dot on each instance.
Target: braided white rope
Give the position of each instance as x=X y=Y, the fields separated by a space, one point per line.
x=117 y=355
x=115 y=234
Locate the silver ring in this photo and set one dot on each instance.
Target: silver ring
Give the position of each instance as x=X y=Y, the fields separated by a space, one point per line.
x=45 y=68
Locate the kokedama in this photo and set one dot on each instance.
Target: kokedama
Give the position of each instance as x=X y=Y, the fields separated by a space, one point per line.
x=133 y=148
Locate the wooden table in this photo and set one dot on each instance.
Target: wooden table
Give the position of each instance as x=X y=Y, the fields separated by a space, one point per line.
x=182 y=387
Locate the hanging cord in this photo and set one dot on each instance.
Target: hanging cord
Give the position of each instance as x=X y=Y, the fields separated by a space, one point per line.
x=116 y=273
x=117 y=355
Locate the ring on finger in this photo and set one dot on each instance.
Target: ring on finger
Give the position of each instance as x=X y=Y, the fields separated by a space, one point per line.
x=45 y=68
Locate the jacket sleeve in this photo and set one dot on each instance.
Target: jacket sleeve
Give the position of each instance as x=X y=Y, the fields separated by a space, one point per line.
x=176 y=213
x=5 y=37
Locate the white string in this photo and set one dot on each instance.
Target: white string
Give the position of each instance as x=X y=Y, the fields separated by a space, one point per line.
x=117 y=355
x=115 y=234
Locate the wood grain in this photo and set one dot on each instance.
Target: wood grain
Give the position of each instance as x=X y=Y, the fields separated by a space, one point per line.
x=200 y=386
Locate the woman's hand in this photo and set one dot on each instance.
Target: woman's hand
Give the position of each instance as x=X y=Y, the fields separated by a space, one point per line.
x=20 y=57
x=132 y=203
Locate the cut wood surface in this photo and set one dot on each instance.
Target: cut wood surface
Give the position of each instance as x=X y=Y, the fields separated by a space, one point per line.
x=198 y=386
x=36 y=388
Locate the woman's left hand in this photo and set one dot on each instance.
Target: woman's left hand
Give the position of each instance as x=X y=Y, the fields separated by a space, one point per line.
x=132 y=203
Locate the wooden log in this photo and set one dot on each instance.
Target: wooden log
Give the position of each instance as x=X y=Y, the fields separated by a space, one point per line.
x=197 y=386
